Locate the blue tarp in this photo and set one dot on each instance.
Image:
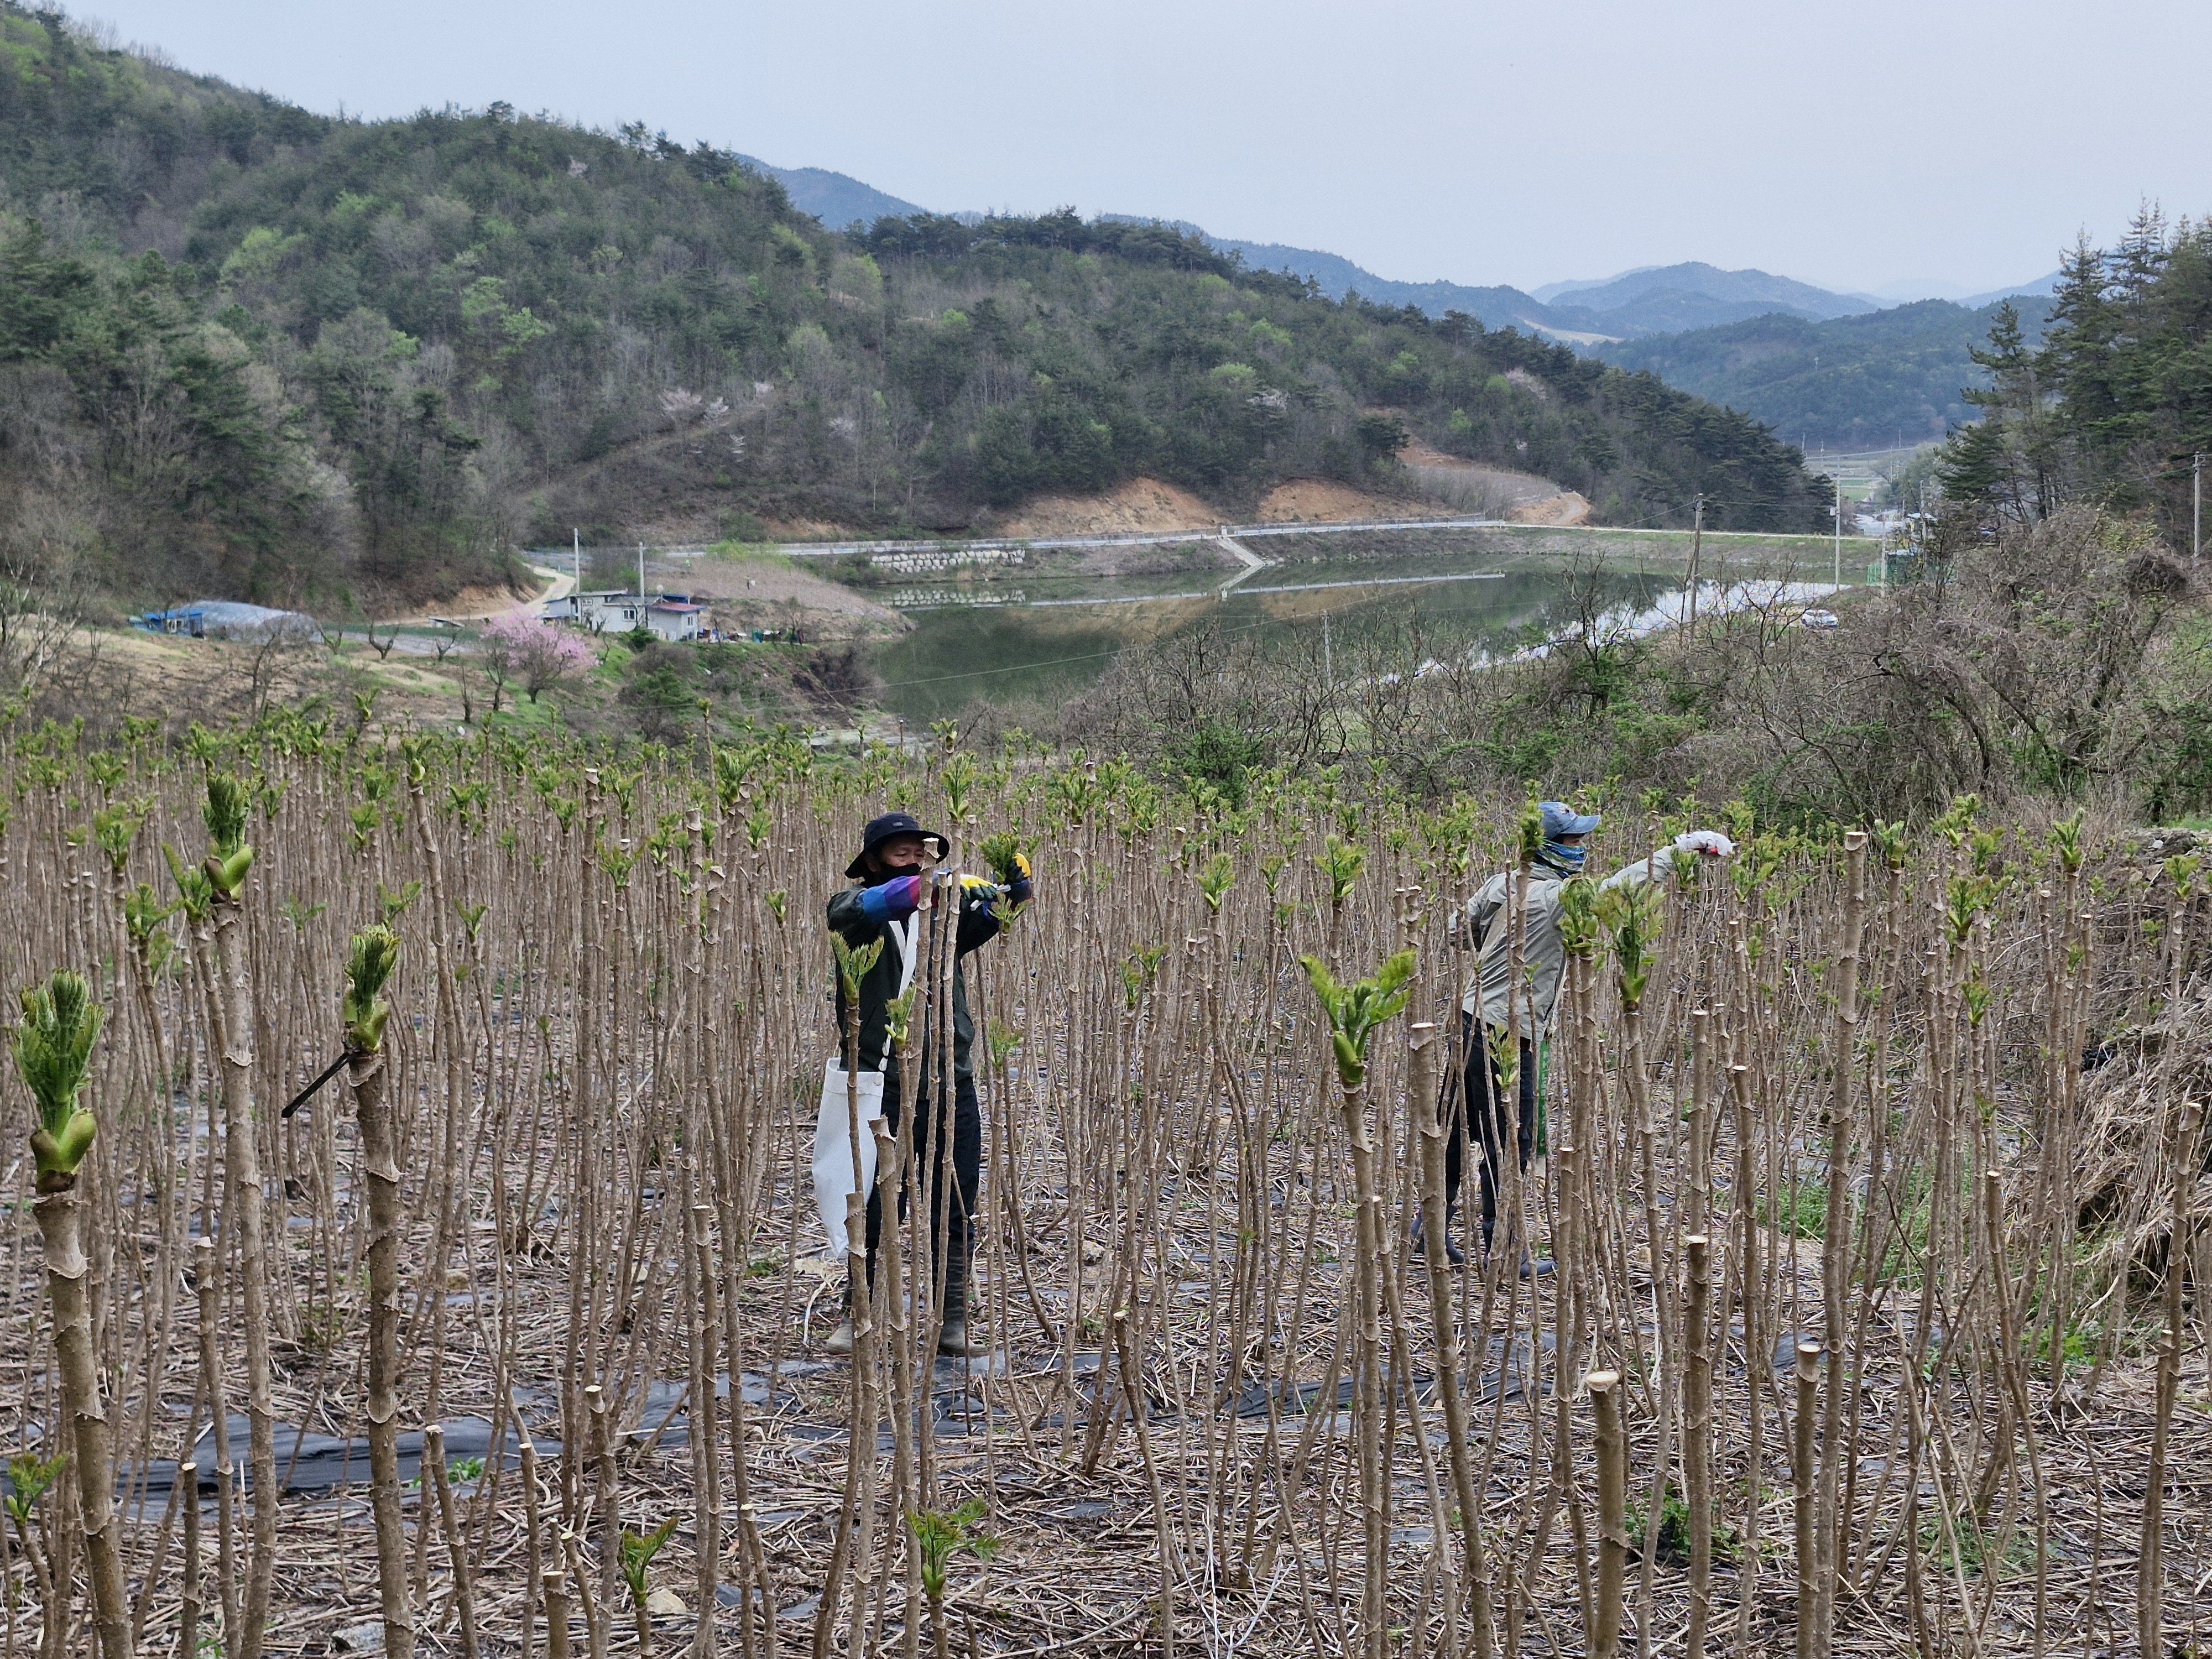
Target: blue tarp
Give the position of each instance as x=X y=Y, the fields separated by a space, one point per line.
x=231 y=619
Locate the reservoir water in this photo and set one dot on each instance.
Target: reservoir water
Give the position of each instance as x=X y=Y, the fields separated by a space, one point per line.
x=1014 y=634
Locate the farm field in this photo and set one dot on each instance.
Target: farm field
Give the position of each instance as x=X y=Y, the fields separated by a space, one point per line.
x=1872 y=1172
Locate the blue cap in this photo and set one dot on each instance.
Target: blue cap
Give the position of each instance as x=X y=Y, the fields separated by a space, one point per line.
x=1561 y=819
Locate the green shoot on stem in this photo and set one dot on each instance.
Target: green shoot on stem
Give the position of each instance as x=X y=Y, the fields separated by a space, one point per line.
x=1354 y=1010
x=375 y=952
x=53 y=1050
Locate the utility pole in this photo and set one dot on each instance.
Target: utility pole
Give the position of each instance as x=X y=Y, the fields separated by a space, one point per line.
x=1839 y=577
x=1697 y=545
x=641 y=578
x=576 y=553
x=2197 y=507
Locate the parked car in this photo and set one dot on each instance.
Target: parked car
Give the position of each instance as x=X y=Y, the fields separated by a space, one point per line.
x=1821 y=620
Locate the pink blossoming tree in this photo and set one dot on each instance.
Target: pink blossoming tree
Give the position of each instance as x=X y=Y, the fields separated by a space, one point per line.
x=538 y=655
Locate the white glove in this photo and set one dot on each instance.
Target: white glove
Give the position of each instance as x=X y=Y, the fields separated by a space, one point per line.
x=1710 y=842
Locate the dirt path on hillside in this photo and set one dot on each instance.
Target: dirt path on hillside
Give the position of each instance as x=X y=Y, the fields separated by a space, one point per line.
x=745 y=592
x=1150 y=506
x=477 y=605
x=1494 y=492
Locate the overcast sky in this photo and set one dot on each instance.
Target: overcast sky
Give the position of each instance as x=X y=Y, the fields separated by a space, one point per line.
x=1962 y=141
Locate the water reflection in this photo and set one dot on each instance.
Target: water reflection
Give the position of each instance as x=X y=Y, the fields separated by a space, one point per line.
x=1788 y=602
x=1044 y=641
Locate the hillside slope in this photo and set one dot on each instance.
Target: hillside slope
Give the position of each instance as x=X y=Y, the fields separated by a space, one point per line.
x=245 y=350
x=1861 y=382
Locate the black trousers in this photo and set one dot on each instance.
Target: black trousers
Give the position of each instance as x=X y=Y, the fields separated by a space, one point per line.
x=1486 y=1089
x=929 y=1140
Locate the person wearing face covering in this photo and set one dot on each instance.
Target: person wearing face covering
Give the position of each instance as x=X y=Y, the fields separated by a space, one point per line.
x=1488 y=1010
x=884 y=902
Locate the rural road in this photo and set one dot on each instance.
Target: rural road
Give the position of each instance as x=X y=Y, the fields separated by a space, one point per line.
x=1125 y=538
x=558 y=585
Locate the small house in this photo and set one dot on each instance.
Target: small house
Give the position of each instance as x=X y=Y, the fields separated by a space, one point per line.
x=612 y=611
x=598 y=610
x=674 y=618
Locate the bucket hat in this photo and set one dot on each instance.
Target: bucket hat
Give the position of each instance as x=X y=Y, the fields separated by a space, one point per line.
x=888 y=827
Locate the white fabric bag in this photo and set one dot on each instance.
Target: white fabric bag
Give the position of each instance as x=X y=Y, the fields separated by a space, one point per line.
x=833 y=1148
x=832 y=1128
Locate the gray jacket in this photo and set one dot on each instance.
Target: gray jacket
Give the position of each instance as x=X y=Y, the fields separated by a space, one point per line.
x=1543 y=954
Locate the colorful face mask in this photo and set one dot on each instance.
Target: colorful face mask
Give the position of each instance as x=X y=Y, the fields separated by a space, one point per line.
x=1569 y=858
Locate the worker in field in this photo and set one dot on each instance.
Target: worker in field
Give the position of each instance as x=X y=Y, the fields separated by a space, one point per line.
x=891 y=876
x=1489 y=1009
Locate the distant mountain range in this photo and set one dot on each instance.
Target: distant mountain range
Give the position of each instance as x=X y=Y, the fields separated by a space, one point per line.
x=835 y=198
x=1498 y=308
x=1934 y=287
x=1619 y=295
x=2042 y=286
x=1848 y=371
x=1588 y=311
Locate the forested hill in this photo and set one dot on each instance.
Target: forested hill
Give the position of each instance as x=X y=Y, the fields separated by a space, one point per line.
x=2110 y=401
x=248 y=350
x=1862 y=382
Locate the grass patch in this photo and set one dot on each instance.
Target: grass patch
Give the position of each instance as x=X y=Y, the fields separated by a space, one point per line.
x=752 y=553
x=1674 y=1545
x=2077 y=1348
x=1804 y=1216
x=1978 y=1546
x=518 y=714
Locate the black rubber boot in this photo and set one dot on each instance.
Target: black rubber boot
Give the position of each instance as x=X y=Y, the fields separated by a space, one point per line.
x=953 y=1340
x=1453 y=1254
x=1531 y=1266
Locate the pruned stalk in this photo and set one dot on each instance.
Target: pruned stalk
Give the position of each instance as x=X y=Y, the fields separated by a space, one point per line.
x=1612 y=1515
x=706 y=1473
x=54 y=1050
x=606 y=1512
x=2150 y=1568
x=207 y=1277
x=375 y=951
x=553 y=1590
x=1353 y=1011
x=1697 y=1437
x=1836 y=1244
x=534 y=1546
x=1422 y=1088
x=1803 y=1477
x=219 y=910
x=465 y=1602
x=188 y=1610
x=855 y=1512
x=1758 y=1355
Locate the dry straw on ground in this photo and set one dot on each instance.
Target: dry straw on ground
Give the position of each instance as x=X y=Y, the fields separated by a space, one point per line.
x=1901 y=1304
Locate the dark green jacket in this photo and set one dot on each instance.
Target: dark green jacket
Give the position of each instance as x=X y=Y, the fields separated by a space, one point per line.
x=978 y=927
